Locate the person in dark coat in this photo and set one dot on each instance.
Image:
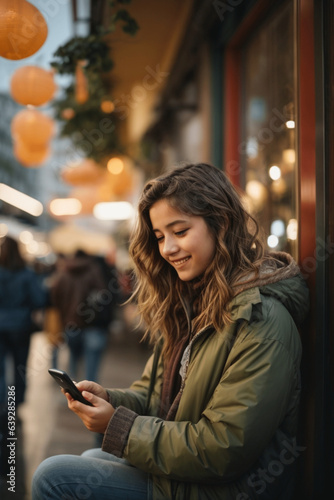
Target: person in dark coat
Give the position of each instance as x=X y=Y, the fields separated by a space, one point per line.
x=21 y=292
x=84 y=302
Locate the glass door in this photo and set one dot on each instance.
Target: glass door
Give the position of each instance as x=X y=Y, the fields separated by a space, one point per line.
x=268 y=144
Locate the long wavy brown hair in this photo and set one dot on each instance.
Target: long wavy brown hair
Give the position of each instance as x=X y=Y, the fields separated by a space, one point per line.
x=197 y=190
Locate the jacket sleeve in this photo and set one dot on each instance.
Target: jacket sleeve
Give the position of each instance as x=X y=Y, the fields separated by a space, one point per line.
x=128 y=403
x=241 y=418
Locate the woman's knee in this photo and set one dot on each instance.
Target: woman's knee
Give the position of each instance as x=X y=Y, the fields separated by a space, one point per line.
x=49 y=474
x=87 y=476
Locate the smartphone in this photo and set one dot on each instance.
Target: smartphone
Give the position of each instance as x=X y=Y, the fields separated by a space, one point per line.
x=66 y=383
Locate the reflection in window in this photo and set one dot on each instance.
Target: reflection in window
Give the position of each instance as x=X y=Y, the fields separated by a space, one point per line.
x=268 y=147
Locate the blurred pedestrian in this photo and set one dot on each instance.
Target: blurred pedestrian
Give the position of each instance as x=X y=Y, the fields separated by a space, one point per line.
x=52 y=325
x=79 y=293
x=111 y=278
x=21 y=293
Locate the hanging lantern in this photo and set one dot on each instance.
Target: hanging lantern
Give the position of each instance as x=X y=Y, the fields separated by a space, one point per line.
x=119 y=177
x=105 y=192
x=88 y=197
x=32 y=85
x=82 y=173
x=33 y=128
x=31 y=157
x=81 y=85
x=23 y=29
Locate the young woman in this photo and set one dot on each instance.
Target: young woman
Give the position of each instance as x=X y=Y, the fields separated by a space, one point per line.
x=214 y=415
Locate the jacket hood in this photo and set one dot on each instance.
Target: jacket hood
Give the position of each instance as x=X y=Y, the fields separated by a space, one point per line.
x=280 y=277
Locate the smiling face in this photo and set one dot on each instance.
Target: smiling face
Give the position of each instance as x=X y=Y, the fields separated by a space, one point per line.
x=184 y=241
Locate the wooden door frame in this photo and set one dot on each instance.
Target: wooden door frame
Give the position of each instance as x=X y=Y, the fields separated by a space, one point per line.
x=307 y=209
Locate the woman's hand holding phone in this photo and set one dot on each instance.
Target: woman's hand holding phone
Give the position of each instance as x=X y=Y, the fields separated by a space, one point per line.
x=94 y=388
x=97 y=416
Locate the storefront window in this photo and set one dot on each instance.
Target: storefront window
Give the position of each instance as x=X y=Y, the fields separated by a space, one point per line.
x=268 y=147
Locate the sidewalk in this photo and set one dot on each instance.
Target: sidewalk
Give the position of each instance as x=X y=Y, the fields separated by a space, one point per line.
x=47 y=426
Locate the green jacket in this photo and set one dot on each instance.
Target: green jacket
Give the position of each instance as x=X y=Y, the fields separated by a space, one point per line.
x=234 y=434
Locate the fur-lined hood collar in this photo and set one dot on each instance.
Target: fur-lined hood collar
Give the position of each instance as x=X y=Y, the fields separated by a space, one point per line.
x=280 y=278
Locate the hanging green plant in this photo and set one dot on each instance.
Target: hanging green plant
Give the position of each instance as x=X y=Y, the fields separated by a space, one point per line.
x=91 y=49
x=91 y=129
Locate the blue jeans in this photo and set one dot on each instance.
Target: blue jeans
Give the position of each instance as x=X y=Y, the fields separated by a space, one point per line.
x=90 y=344
x=93 y=475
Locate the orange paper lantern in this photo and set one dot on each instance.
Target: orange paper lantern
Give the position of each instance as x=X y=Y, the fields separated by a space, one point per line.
x=105 y=192
x=23 y=29
x=32 y=85
x=83 y=173
x=119 y=177
x=33 y=128
x=88 y=197
x=31 y=157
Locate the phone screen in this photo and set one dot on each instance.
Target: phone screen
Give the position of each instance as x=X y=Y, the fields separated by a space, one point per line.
x=66 y=383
